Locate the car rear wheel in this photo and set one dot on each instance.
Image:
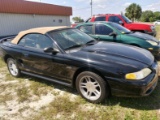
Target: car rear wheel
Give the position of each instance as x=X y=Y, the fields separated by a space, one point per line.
x=13 y=68
x=92 y=87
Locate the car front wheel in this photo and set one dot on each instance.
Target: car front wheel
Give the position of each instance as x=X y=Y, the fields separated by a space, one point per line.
x=12 y=67
x=92 y=87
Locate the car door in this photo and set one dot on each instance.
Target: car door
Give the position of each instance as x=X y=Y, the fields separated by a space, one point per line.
x=102 y=33
x=35 y=60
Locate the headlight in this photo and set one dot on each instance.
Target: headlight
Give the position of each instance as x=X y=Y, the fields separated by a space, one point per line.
x=152 y=27
x=152 y=42
x=138 y=75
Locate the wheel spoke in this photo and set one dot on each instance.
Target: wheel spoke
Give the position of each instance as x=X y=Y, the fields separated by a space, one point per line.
x=10 y=65
x=96 y=84
x=15 y=71
x=89 y=93
x=83 y=87
x=83 y=84
x=88 y=79
x=96 y=92
x=10 y=68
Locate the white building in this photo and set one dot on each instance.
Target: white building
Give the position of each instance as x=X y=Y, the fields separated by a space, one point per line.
x=18 y=15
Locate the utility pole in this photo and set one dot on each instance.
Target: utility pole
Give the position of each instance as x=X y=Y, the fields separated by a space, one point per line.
x=91 y=7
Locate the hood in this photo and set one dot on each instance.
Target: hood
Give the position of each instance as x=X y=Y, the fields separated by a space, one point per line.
x=141 y=23
x=121 y=51
x=143 y=36
x=139 y=26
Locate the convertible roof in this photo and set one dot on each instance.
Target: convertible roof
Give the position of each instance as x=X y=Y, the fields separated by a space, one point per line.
x=41 y=30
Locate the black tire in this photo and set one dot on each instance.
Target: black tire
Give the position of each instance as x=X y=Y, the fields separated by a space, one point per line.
x=10 y=61
x=99 y=85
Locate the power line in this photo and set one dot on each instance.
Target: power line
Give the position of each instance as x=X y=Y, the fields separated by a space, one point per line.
x=91 y=7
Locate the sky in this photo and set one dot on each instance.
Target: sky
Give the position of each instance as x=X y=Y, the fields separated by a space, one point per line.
x=82 y=8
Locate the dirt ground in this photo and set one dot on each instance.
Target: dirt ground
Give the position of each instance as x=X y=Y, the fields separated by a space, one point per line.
x=29 y=98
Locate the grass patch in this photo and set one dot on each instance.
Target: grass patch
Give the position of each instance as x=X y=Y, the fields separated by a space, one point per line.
x=39 y=88
x=158 y=32
x=23 y=94
x=2 y=63
x=6 y=97
x=61 y=107
x=143 y=108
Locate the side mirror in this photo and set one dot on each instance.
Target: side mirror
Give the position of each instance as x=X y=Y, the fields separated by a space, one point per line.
x=113 y=34
x=55 y=51
x=121 y=23
x=51 y=50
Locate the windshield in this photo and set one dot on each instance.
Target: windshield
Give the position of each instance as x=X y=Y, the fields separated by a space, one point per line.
x=70 y=38
x=127 y=20
x=119 y=28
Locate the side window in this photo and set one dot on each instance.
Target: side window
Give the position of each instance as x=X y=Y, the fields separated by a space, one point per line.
x=44 y=42
x=28 y=41
x=38 y=41
x=103 y=18
x=114 y=19
x=86 y=29
x=102 y=29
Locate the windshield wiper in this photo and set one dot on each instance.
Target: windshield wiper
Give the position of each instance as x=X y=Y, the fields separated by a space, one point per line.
x=126 y=32
x=74 y=46
x=91 y=42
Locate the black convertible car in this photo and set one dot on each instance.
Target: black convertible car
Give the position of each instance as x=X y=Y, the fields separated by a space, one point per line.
x=69 y=57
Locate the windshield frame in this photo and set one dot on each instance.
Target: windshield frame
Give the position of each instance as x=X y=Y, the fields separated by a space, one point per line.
x=126 y=19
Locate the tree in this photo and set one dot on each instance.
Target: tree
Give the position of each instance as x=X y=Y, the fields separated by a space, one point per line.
x=147 y=16
x=77 y=19
x=133 y=11
x=157 y=15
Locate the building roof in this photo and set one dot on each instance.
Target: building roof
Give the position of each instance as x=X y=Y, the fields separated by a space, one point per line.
x=28 y=7
x=40 y=30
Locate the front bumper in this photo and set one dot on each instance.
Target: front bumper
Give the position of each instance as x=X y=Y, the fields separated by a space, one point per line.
x=126 y=88
x=153 y=33
x=156 y=50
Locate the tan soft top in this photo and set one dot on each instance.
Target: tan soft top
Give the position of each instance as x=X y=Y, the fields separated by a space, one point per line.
x=41 y=30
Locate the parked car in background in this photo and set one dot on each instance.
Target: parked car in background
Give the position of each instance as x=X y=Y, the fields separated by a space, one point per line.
x=124 y=21
x=157 y=22
x=112 y=32
x=72 y=58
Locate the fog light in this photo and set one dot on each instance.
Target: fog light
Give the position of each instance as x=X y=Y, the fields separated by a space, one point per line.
x=150 y=48
x=131 y=76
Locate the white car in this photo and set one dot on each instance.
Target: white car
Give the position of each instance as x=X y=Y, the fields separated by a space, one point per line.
x=157 y=22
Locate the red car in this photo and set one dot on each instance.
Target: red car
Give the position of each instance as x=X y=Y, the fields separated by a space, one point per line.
x=124 y=21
